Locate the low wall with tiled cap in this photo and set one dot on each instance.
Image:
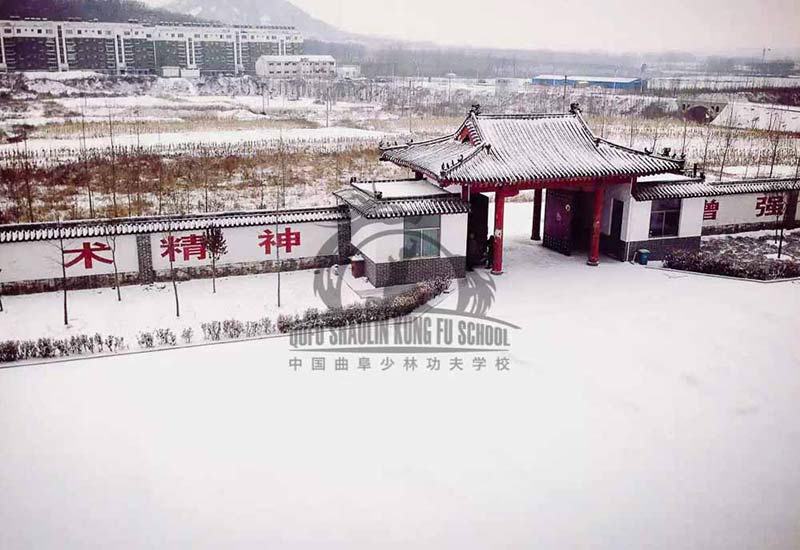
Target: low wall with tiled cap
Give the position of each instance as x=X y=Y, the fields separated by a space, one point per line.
x=142 y=250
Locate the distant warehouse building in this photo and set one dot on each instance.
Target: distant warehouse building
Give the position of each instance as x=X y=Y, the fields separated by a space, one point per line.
x=168 y=49
x=296 y=66
x=614 y=82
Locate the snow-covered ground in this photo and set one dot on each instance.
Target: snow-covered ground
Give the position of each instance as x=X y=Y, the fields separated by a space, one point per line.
x=289 y=136
x=151 y=307
x=643 y=409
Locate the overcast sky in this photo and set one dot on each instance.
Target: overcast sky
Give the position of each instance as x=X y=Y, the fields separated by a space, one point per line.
x=705 y=26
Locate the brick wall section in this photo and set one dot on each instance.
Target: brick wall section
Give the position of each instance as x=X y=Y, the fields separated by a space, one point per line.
x=145 y=254
x=659 y=247
x=181 y=274
x=248 y=268
x=345 y=247
x=414 y=271
x=737 y=228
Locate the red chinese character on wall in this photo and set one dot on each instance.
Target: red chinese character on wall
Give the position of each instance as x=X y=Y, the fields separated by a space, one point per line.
x=769 y=205
x=87 y=253
x=710 y=210
x=287 y=240
x=188 y=246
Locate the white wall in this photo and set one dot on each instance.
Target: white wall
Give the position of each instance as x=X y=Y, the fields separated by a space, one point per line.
x=638 y=228
x=35 y=260
x=27 y=261
x=615 y=192
x=739 y=209
x=382 y=240
x=691 y=224
x=316 y=239
x=454 y=235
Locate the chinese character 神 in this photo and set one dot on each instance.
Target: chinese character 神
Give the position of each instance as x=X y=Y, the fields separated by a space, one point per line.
x=287 y=240
x=710 y=210
x=769 y=205
x=190 y=245
x=87 y=253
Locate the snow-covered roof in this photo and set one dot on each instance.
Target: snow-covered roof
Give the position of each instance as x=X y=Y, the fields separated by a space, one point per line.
x=399 y=189
x=402 y=198
x=658 y=178
x=157 y=224
x=515 y=149
x=695 y=187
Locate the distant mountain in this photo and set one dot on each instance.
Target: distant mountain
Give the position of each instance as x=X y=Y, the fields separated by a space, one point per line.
x=260 y=12
x=104 y=10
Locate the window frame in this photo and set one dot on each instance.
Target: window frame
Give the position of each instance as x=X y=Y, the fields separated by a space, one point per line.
x=661 y=208
x=427 y=230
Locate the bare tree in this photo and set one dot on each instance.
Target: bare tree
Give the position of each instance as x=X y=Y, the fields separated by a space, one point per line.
x=113 y=161
x=171 y=256
x=26 y=167
x=775 y=140
x=86 y=175
x=216 y=247
x=111 y=241
x=63 y=269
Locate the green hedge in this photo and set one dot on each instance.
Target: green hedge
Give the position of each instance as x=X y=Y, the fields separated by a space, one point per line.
x=765 y=270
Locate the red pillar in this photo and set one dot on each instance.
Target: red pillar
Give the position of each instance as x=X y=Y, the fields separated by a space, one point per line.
x=499 y=210
x=465 y=193
x=597 y=217
x=536 y=230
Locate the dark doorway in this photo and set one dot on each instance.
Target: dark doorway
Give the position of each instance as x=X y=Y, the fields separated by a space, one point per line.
x=582 y=220
x=616 y=219
x=478 y=224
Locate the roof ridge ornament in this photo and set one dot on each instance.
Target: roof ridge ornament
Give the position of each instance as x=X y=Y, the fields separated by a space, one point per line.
x=475 y=109
x=575 y=108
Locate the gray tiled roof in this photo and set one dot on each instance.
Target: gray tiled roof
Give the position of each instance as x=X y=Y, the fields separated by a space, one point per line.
x=507 y=149
x=373 y=208
x=700 y=188
x=155 y=224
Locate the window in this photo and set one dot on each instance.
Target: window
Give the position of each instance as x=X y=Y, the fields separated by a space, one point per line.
x=421 y=236
x=665 y=218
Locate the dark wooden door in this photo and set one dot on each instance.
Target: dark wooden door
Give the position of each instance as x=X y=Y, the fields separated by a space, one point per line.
x=616 y=219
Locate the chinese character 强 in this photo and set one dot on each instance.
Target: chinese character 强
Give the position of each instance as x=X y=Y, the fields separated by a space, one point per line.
x=287 y=239
x=710 y=210
x=87 y=253
x=769 y=205
x=190 y=245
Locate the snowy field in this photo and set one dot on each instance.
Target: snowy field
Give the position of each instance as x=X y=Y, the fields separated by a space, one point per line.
x=289 y=136
x=643 y=409
x=147 y=308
